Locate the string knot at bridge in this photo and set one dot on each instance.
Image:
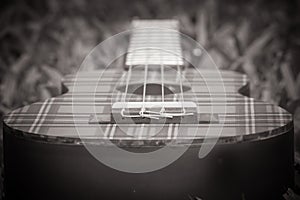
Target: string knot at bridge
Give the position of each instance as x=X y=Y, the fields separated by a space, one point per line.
x=164 y=112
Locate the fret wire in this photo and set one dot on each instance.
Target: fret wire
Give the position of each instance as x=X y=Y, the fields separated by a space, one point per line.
x=181 y=88
x=145 y=35
x=127 y=83
x=162 y=86
x=145 y=87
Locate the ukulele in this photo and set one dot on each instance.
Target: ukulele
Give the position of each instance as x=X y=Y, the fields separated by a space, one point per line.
x=154 y=123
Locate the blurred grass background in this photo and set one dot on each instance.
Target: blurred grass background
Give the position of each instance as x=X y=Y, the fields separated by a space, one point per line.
x=41 y=41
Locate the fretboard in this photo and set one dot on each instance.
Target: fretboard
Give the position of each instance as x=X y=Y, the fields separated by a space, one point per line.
x=154 y=42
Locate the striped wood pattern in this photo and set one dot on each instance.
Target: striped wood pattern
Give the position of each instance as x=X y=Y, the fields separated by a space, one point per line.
x=62 y=116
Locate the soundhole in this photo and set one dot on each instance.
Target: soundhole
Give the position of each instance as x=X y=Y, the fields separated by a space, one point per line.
x=153 y=88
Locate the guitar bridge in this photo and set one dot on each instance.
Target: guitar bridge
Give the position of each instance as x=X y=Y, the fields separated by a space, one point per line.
x=154 y=113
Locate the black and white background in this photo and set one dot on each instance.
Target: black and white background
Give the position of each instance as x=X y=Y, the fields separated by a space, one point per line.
x=41 y=41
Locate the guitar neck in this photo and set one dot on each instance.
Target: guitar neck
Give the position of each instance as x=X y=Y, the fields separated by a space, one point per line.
x=154 y=42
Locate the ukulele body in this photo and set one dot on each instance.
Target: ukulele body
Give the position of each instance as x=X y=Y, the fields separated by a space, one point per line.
x=54 y=164
x=54 y=170
x=160 y=132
